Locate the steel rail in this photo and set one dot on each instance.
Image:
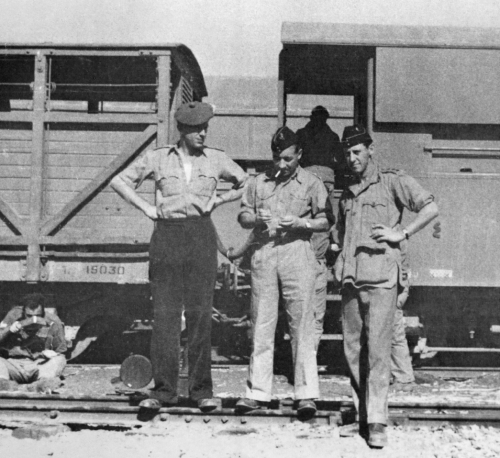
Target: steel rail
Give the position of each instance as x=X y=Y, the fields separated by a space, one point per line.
x=123 y=411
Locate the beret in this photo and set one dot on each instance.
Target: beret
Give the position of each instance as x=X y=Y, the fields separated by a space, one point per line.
x=283 y=139
x=354 y=135
x=194 y=113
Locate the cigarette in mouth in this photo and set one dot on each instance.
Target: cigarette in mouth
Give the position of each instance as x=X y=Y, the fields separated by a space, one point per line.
x=277 y=174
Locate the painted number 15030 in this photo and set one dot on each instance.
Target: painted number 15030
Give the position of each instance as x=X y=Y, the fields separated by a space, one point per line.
x=103 y=269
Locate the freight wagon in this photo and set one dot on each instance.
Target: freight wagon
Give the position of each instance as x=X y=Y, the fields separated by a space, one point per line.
x=71 y=117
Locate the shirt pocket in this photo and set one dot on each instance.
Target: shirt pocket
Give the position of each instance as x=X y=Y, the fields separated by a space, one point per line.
x=263 y=198
x=373 y=264
x=373 y=212
x=170 y=185
x=204 y=184
x=298 y=204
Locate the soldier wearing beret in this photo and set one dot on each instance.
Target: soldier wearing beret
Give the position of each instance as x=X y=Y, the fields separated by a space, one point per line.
x=283 y=206
x=183 y=249
x=369 y=268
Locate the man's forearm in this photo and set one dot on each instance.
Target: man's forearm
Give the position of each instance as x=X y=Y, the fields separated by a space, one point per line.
x=319 y=224
x=423 y=218
x=230 y=196
x=128 y=194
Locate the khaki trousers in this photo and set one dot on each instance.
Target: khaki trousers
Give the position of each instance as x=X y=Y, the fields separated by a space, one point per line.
x=368 y=321
x=25 y=370
x=289 y=267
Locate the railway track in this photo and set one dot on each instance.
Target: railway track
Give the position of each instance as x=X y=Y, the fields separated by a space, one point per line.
x=123 y=411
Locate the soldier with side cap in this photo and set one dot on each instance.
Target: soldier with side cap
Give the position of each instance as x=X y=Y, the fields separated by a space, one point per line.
x=369 y=270
x=283 y=206
x=183 y=249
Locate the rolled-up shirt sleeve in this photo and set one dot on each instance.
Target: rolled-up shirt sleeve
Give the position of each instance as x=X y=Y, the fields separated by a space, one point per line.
x=248 y=197
x=319 y=197
x=139 y=170
x=409 y=193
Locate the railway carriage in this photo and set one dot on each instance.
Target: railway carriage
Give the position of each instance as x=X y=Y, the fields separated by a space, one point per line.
x=430 y=98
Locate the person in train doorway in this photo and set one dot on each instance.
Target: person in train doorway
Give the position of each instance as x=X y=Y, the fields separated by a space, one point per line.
x=319 y=143
x=321 y=243
x=402 y=375
x=32 y=345
x=369 y=271
x=284 y=206
x=183 y=249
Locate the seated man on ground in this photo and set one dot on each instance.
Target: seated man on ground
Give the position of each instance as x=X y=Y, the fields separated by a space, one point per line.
x=32 y=344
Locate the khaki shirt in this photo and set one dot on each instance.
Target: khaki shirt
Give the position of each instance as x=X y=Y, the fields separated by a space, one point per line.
x=380 y=199
x=175 y=197
x=303 y=195
x=24 y=345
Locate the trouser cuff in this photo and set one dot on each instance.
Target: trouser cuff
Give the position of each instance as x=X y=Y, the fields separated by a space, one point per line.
x=258 y=395
x=377 y=419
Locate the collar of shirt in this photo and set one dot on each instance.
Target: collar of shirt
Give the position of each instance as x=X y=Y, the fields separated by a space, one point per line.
x=372 y=177
x=175 y=149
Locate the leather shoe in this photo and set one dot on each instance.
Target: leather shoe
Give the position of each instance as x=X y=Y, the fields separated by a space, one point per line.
x=306 y=407
x=354 y=429
x=151 y=404
x=247 y=405
x=377 y=437
x=207 y=404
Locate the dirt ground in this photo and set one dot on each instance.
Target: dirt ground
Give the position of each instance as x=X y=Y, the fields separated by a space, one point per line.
x=291 y=441
x=248 y=441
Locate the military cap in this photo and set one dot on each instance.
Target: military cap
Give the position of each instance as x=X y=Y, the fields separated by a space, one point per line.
x=354 y=135
x=320 y=111
x=194 y=113
x=283 y=139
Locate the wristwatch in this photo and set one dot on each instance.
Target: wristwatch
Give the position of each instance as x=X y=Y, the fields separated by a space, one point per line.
x=307 y=224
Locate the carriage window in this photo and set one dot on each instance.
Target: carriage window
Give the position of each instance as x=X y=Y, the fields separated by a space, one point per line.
x=449 y=86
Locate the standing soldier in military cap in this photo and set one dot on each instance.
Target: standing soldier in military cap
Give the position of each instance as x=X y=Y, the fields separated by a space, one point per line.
x=283 y=206
x=369 y=270
x=183 y=251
